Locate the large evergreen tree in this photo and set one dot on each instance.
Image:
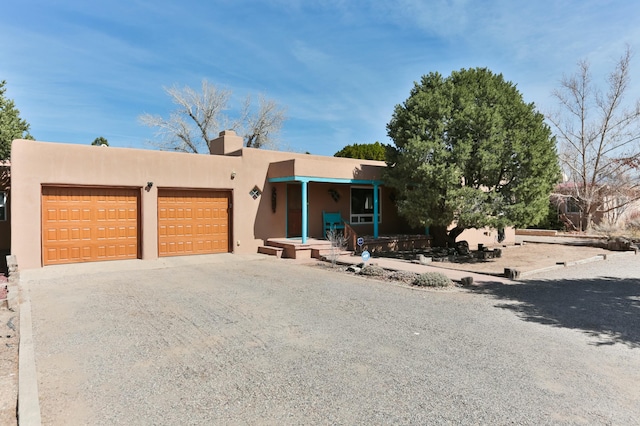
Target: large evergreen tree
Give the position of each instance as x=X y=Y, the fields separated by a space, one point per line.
x=470 y=152
x=11 y=125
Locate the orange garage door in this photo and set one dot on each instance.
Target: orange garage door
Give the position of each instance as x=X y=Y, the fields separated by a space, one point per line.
x=89 y=224
x=192 y=222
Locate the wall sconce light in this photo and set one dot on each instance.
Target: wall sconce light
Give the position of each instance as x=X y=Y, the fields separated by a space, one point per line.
x=148 y=187
x=233 y=175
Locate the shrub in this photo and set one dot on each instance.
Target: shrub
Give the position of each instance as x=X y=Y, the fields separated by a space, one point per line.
x=609 y=230
x=373 y=270
x=634 y=227
x=432 y=279
x=403 y=276
x=338 y=244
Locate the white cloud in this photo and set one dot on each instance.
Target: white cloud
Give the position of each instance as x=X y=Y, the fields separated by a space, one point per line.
x=442 y=18
x=312 y=58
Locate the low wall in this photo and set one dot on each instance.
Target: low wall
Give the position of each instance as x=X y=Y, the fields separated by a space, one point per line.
x=395 y=243
x=537 y=232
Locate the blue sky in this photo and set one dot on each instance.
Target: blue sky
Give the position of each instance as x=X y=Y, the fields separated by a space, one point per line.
x=79 y=69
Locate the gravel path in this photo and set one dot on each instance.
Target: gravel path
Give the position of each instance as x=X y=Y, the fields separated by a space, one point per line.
x=271 y=342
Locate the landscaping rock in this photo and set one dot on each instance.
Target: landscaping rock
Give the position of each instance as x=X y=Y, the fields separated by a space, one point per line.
x=619 y=244
x=512 y=274
x=462 y=248
x=423 y=260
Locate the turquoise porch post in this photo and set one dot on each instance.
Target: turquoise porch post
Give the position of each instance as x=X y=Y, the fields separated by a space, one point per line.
x=375 y=210
x=305 y=225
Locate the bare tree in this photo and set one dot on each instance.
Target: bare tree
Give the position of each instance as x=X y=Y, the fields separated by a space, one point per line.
x=599 y=140
x=200 y=117
x=259 y=127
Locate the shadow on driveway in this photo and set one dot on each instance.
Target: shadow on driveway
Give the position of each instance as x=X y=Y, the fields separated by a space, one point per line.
x=605 y=308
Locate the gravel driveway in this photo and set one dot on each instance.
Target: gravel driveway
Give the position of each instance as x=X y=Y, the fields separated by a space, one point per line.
x=275 y=342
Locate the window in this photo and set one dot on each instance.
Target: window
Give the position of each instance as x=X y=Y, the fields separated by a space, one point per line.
x=3 y=206
x=572 y=206
x=362 y=205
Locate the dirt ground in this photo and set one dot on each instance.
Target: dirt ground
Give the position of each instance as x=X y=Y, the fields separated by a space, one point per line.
x=527 y=257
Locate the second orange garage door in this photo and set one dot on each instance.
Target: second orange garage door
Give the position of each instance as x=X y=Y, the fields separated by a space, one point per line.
x=193 y=222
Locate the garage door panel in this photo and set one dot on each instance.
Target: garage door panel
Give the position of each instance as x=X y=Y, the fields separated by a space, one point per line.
x=101 y=214
x=89 y=224
x=192 y=222
x=74 y=234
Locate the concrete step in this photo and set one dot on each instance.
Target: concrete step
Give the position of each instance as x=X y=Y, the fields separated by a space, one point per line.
x=271 y=251
x=298 y=254
x=297 y=250
x=287 y=251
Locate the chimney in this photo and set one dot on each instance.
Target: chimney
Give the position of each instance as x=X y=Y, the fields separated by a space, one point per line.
x=227 y=143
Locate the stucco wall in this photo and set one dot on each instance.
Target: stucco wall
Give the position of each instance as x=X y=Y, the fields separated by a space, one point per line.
x=42 y=163
x=5 y=225
x=486 y=236
x=37 y=163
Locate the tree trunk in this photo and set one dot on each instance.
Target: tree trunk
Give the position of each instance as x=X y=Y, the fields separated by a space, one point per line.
x=453 y=234
x=442 y=237
x=439 y=235
x=588 y=226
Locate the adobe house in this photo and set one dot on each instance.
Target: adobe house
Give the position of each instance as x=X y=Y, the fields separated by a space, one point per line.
x=612 y=209
x=5 y=214
x=77 y=203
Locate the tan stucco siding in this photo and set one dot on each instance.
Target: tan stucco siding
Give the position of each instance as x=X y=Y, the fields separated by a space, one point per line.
x=323 y=167
x=5 y=225
x=41 y=163
x=35 y=164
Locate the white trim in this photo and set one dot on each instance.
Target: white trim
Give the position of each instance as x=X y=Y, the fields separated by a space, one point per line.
x=357 y=218
x=3 y=206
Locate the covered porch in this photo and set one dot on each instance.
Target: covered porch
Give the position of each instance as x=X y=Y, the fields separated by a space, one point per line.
x=299 y=204
x=314 y=186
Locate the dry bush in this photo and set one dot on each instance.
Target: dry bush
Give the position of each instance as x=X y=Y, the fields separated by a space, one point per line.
x=432 y=279
x=338 y=244
x=373 y=270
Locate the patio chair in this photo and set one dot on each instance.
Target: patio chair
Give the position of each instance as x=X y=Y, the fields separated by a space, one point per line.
x=331 y=220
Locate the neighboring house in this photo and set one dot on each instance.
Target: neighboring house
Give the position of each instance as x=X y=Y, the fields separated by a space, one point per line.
x=78 y=203
x=612 y=210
